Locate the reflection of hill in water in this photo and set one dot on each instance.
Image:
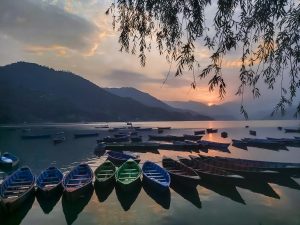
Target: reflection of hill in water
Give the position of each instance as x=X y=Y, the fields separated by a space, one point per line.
x=128 y=197
x=16 y=217
x=161 y=198
x=72 y=209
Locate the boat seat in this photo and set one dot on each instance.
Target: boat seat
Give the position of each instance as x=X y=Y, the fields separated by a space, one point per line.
x=132 y=173
x=80 y=175
x=150 y=173
x=71 y=185
x=15 y=183
x=50 y=185
x=79 y=179
x=155 y=176
x=130 y=169
x=107 y=170
x=126 y=178
x=18 y=187
x=49 y=182
x=11 y=196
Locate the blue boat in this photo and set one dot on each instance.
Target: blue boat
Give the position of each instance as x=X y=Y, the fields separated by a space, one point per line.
x=49 y=181
x=86 y=135
x=156 y=176
x=8 y=161
x=78 y=181
x=118 y=158
x=16 y=189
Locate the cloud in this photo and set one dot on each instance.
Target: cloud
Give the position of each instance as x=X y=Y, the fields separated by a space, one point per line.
x=42 y=25
x=122 y=78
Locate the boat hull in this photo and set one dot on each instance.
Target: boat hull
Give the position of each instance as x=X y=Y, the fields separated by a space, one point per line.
x=78 y=193
x=9 y=206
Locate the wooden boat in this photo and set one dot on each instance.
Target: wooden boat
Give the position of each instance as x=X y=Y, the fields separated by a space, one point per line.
x=58 y=139
x=180 y=173
x=240 y=169
x=143 y=128
x=115 y=139
x=286 y=141
x=156 y=176
x=49 y=181
x=292 y=130
x=166 y=138
x=164 y=128
x=105 y=173
x=192 y=137
x=224 y=134
x=297 y=138
x=211 y=130
x=102 y=127
x=275 y=166
x=84 y=135
x=136 y=139
x=118 y=158
x=252 y=132
x=214 y=145
x=239 y=144
x=183 y=146
x=77 y=181
x=35 y=136
x=8 y=160
x=134 y=146
x=120 y=134
x=264 y=143
x=209 y=172
x=199 y=132
x=16 y=189
x=128 y=175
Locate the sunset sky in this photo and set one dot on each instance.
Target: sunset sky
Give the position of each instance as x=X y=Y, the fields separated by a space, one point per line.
x=76 y=35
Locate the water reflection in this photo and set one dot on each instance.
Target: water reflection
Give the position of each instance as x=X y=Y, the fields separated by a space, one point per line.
x=225 y=189
x=17 y=216
x=187 y=192
x=72 y=209
x=128 y=197
x=47 y=203
x=258 y=186
x=163 y=198
x=102 y=191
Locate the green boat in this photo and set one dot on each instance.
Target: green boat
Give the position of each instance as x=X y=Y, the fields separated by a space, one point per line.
x=105 y=173
x=128 y=175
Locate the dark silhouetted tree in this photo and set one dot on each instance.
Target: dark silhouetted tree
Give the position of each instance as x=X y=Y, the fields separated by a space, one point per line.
x=265 y=32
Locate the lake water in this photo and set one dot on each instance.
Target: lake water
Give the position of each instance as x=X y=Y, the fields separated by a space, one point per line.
x=257 y=202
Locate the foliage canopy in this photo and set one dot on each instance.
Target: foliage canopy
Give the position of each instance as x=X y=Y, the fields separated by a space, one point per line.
x=265 y=32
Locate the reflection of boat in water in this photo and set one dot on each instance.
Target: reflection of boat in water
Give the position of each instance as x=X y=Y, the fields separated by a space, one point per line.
x=103 y=192
x=163 y=199
x=128 y=197
x=226 y=190
x=18 y=215
x=258 y=186
x=72 y=209
x=188 y=193
x=47 y=203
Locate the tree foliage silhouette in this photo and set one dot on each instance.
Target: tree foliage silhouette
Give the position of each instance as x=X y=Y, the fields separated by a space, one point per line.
x=265 y=32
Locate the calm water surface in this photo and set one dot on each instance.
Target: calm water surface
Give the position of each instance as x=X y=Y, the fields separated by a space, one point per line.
x=253 y=203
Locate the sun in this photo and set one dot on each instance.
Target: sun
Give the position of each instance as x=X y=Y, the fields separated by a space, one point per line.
x=210 y=104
